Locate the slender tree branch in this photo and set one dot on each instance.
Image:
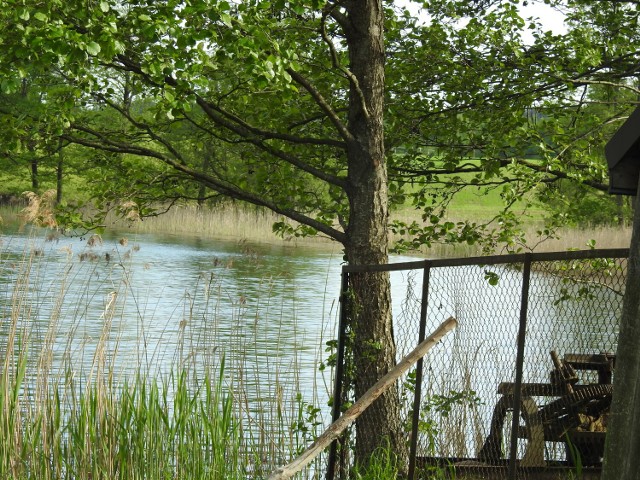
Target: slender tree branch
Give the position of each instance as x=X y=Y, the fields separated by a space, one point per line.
x=322 y=103
x=270 y=135
x=311 y=119
x=143 y=126
x=259 y=143
x=342 y=21
x=582 y=81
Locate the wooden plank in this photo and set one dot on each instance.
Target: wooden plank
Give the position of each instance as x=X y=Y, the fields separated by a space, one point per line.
x=590 y=361
x=468 y=468
x=537 y=389
x=531 y=389
x=336 y=428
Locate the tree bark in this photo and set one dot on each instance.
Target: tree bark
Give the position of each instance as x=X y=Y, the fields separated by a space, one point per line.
x=622 y=449
x=366 y=234
x=35 y=181
x=59 y=174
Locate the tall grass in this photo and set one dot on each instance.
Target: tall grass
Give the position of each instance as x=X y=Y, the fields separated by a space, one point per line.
x=62 y=420
x=225 y=220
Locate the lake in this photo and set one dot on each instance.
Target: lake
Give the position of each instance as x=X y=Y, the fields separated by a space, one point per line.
x=157 y=303
x=266 y=309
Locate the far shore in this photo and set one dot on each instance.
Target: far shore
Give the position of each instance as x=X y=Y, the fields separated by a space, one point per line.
x=238 y=222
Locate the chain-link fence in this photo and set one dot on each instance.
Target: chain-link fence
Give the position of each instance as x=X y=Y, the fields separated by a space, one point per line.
x=535 y=340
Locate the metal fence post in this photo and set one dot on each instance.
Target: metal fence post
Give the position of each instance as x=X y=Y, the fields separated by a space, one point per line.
x=339 y=375
x=415 y=421
x=517 y=394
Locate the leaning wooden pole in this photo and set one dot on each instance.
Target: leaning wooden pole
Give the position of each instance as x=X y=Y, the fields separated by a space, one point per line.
x=336 y=428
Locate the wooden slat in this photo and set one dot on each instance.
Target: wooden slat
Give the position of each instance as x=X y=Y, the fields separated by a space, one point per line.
x=536 y=389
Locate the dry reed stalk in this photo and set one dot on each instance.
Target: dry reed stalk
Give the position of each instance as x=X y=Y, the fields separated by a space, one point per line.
x=40 y=209
x=228 y=220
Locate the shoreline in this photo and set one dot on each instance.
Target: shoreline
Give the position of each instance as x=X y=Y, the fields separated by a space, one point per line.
x=245 y=224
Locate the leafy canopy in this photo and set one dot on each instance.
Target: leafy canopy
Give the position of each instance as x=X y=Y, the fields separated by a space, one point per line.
x=250 y=100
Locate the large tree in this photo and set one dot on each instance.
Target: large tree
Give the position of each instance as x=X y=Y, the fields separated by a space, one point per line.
x=288 y=104
x=294 y=89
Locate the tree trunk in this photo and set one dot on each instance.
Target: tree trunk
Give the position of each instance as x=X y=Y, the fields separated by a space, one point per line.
x=35 y=181
x=622 y=450
x=59 y=173
x=367 y=238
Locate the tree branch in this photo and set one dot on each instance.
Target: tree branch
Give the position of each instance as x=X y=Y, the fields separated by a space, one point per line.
x=323 y=104
x=239 y=130
x=217 y=184
x=343 y=22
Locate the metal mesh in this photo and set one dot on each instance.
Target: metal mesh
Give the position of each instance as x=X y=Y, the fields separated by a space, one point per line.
x=562 y=303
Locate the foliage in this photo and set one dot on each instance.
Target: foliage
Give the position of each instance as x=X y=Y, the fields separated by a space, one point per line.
x=383 y=465
x=501 y=113
x=496 y=111
x=306 y=425
x=577 y=206
x=438 y=406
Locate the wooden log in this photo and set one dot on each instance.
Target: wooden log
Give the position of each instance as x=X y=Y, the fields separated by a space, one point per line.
x=336 y=428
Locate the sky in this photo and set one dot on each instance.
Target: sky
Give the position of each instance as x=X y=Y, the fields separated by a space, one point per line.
x=550 y=18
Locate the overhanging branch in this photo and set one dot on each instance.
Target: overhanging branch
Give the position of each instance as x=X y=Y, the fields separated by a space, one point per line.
x=226 y=188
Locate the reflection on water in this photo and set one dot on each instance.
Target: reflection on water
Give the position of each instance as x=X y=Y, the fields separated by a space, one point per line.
x=154 y=303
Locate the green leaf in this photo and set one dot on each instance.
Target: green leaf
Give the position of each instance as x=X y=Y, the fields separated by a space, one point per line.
x=104 y=6
x=491 y=277
x=226 y=19
x=93 y=48
x=40 y=16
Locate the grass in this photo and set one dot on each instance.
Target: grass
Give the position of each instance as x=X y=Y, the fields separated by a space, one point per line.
x=127 y=431
x=62 y=420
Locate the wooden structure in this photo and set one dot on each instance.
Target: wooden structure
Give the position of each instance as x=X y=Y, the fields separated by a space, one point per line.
x=623 y=157
x=576 y=416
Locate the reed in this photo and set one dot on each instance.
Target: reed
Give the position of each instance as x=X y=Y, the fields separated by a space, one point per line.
x=228 y=220
x=118 y=417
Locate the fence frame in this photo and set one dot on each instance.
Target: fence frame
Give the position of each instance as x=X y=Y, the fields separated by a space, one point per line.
x=526 y=259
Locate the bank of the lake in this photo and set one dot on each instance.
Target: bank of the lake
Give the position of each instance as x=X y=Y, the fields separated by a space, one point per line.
x=237 y=222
